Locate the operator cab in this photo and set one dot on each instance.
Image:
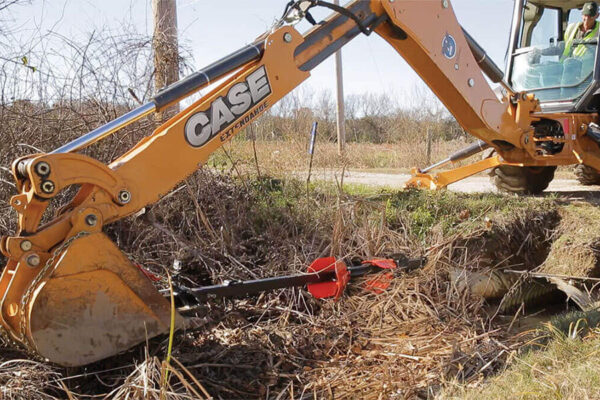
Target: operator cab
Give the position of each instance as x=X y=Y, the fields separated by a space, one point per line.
x=561 y=83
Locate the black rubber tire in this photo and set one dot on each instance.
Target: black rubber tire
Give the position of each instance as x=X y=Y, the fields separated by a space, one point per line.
x=522 y=180
x=587 y=175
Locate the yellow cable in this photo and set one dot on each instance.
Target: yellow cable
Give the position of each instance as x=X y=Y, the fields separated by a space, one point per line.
x=171 y=333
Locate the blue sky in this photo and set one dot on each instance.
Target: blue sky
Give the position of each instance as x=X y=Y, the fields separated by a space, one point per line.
x=212 y=29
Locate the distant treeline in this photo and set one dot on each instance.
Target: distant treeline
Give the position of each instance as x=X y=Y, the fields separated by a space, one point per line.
x=400 y=125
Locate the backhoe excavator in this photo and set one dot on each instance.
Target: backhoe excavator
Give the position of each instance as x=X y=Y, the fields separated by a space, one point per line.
x=70 y=295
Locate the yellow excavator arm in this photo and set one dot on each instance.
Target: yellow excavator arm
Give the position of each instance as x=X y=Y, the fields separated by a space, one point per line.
x=69 y=294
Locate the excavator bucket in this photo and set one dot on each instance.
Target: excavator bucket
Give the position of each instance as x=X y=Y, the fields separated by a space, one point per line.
x=90 y=303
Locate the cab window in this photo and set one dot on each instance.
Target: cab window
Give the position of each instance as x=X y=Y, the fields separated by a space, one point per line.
x=545 y=32
x=574 y=16
x=544 y=64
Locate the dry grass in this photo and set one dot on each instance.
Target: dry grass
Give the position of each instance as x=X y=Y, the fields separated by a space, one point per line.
x=405 y=343
x=27 y=379
x=564 y=369
x=579 y=236
x=275 y=157
x=408 y=341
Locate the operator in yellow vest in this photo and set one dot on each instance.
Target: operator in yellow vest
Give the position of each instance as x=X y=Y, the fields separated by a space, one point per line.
x=574 y=69
x=587 y=29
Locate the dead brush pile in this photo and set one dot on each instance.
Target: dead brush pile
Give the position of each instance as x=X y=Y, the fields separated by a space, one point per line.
x=403 y=343
x=216 y=229
x=407 y=342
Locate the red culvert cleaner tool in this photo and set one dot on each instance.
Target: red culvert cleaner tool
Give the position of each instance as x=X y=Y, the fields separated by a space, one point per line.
x=326 y=277
x=381 y=282
x=329 y=288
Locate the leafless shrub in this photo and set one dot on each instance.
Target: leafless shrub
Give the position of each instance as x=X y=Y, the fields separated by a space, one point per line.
x=55 y=88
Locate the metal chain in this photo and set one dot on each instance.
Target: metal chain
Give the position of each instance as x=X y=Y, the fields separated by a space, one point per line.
x=29 y=292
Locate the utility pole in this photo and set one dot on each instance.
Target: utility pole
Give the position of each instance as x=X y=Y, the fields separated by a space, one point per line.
x=341 y=120
x=166 y=49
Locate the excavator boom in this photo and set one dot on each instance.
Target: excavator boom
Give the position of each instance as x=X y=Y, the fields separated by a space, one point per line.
x=69 y=294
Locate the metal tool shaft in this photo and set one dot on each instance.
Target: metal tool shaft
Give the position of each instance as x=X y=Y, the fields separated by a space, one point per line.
x=244 y=288
x=193 y=297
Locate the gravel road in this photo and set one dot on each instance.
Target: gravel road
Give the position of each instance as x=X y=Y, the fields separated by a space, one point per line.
x=469 y=185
